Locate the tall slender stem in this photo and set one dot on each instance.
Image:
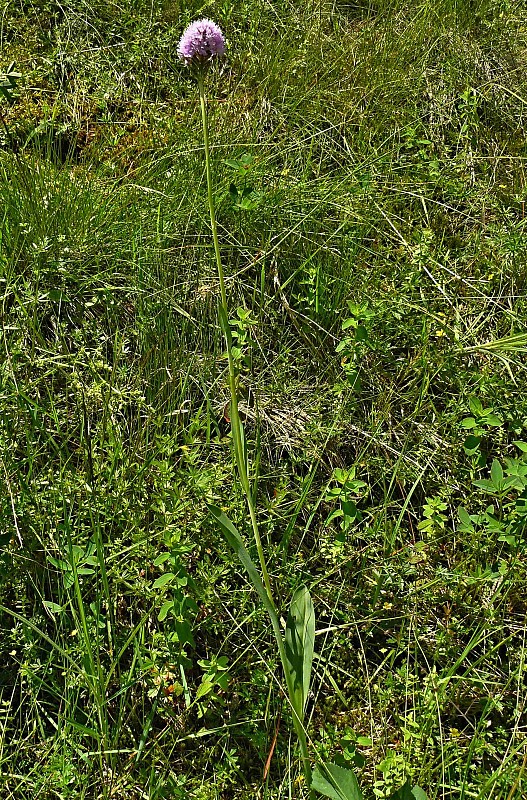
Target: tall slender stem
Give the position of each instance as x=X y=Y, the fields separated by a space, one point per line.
x=238 y=437
x=236 y=424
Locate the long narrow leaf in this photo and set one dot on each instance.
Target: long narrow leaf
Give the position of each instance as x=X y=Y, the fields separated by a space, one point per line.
x=300 y=646
x=235 y=541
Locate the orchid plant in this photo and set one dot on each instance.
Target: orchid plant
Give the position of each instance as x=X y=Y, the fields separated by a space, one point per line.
x=200 y=46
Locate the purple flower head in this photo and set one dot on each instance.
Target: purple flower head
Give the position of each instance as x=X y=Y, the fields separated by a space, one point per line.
x=201 y=42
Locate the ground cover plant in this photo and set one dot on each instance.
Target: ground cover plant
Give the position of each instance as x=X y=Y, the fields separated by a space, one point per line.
x=369 y=187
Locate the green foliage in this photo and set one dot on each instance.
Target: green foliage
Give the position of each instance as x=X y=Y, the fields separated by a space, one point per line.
x=177 y=605
x=505 y=519
x=354 y=342
x=8 y=81
x=368 y=163
x=300 y=647
x=336 y=782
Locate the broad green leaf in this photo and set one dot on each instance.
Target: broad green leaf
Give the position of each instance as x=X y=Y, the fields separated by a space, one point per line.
x=300 y=646
x=59 y=563
x=472 y=443
x=232 y=162
x=488 y=486
x=336 y=782
x=404 y=793
x=161 y=559
x=165 y=608
x=183 y=632
x=364 y=741
x=494 y=420
x=510 y=539
x=163 y=579
x=68 y=579
x=475 y=406
x=204 y=688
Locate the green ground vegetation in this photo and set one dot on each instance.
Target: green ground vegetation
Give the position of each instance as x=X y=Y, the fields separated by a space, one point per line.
x=369 y=163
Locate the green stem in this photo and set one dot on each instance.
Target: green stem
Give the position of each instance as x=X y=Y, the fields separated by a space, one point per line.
x=239 y=443
x=236 y=424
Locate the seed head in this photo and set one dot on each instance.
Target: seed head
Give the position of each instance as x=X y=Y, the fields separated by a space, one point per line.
x=201 y=42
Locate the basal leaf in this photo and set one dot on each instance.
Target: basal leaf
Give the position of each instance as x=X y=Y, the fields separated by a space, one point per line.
x=300 y=646
x=336 y=782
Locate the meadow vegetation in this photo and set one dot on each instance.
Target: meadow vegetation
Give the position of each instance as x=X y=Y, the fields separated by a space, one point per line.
x=369 y=167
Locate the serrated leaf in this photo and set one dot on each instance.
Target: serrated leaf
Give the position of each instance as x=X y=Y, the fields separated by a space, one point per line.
x=336 y=782
x=300 y=646
x=521 y=446
x=163 y=579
